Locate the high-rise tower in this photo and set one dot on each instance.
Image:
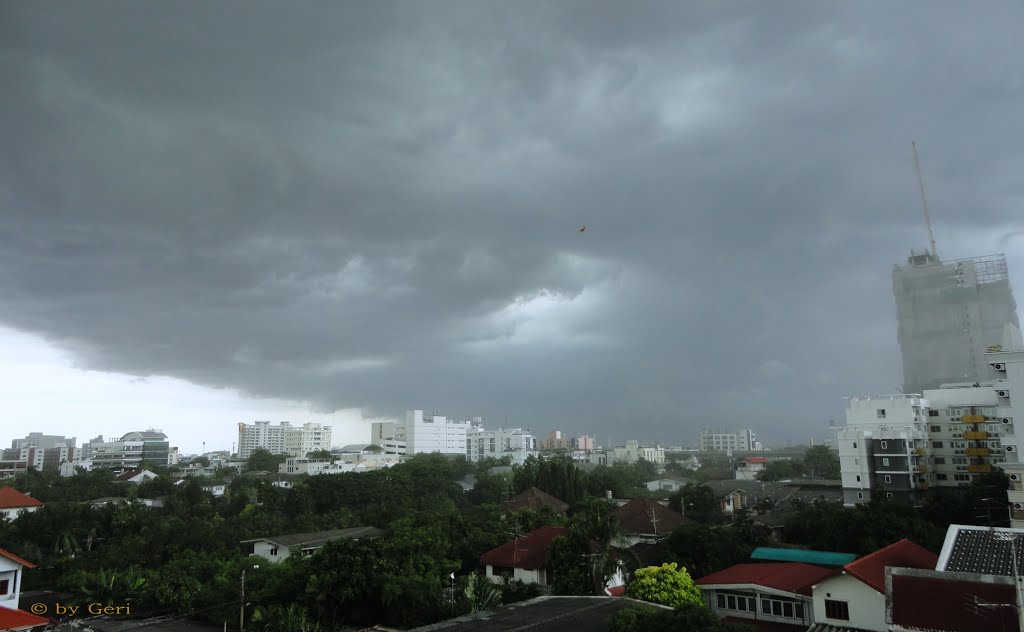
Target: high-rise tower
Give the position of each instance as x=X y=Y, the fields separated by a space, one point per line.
x=949 y=313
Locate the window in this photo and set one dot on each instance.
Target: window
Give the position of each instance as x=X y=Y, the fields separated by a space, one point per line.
x=885 y=461
x=936 y=428
x=860 y=495
x=858 y=478
x=937 y=444
x=933 y=413
x=940 y=477
x=880 y=413
x=884 y=445
x=839 y=610
x=273 y=551
x=5 y=586
x=888 y=479
x=854 y=445
x=735 y=601
x=939 y=460
x=779 y=608
x=888 y=495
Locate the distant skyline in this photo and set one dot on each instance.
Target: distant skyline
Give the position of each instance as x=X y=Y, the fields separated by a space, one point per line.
x=272 y=212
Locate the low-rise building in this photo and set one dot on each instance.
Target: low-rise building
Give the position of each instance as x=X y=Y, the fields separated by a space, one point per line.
x=280 y=547
x=526 y=559
x=779 y=593
x=748 y=468
x=718 y=441
x=643 y=520
x=11 y=617
x=536 y=500
x=13 y=503
x=516 y=443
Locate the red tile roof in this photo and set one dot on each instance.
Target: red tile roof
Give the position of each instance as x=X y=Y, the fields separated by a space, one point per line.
x=792 y=577
x=635 y=517
x=756 y=459
x=19 y=619
x=926 y=603
x=870 y=569
x=535 y=499
x=528 y=552
x=15 y=558
x=11 y=498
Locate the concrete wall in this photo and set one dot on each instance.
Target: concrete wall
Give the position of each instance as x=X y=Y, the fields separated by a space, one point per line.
x=866 y=605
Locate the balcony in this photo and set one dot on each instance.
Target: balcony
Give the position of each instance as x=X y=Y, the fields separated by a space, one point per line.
x=979 y=469
x=976 y=435
x=977 y=452
x=919 y=451
x=973 y=419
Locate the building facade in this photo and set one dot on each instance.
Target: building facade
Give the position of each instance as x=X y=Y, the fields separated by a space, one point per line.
x=128 y=452
x=966 y=439
x=1007 y=361
x=264 y=435
x=949 y=313
x=514 y=442
x=884 y=448
x=718 y=441
x=422 y=434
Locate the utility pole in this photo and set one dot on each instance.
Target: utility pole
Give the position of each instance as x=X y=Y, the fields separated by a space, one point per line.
x=241 y=605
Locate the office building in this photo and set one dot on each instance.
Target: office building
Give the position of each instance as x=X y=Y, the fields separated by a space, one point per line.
x=949 y=313
x=43 y=442
x=718 y=441
x=422 y=434
x=129 y=451
x=513 y=442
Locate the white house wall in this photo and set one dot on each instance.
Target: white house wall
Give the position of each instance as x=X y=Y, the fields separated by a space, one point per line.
x=866 y=605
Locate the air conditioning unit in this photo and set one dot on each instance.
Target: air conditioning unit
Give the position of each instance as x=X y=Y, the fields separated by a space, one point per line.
x=1018 y=506
x=999 y=366
x=1014 y=477
x=1009 y=448
x=1003 y=393
x=1007 y=420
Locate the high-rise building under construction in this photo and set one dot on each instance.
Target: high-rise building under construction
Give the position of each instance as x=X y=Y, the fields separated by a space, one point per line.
x=949 y=313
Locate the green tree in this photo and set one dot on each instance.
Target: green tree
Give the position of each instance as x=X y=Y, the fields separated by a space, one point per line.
x=668 y=585
x=320 y=454
x=781 y=470
x=699 y=502
x=821 y=461
x=690 y=617
x=586 y=560
x=263 y=461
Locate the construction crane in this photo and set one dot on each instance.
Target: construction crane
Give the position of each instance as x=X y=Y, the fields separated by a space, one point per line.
x=924 y=201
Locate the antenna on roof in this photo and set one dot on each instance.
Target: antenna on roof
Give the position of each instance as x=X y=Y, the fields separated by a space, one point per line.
x=924 y=201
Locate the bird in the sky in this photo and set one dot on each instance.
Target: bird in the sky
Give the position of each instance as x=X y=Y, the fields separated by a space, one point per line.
x=583 y=228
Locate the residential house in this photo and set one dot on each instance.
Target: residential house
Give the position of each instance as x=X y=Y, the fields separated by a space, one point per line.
x=136 y=476
x=525 y=558
x=217 y=489
x=667 y=484
x=855 y=598
x=13 y=503
x=280 y=547
x=733 y=501
x=534 y=499
x=942 y=601
x=778 y=593
x=747 y=469
x=11 y=618
x=643 y=520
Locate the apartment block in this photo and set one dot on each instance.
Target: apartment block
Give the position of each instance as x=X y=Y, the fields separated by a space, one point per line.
x=263 y=435
x=422 y=434
x=1007 y=361
x=966 y=437
x=884 y=448
x=43 y=442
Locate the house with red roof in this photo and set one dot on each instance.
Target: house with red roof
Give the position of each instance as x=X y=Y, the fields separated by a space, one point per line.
x=526 y=558
x=13 y=503
x=747 y=469
x=643 y=520
x=773 y=595
x=855 y=598
x=11 y=618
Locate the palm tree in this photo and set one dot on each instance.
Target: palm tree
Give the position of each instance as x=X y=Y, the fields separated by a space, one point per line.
x=594 y=527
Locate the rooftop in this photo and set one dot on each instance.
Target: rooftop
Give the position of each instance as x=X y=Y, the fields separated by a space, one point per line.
x=319 y=538
x=528 y=552
x=542 y=614
x=870 y=569
x=791 y=577
x=11 y=498
x=645 y=516
x=16 y=559
x=19 y=619
x=535 y=499
x=936 y=601
x=818 y=558
x=983 y=550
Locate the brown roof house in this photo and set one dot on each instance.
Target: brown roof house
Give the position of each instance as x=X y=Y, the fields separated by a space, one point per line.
x=526 y=558
x=13 y=503
x=648 y=521
x=536 y=500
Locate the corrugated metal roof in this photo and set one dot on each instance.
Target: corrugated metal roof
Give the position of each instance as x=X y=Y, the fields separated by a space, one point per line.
x=819 y=558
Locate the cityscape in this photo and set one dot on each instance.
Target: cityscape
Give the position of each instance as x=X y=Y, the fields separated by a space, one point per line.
x=395 y=317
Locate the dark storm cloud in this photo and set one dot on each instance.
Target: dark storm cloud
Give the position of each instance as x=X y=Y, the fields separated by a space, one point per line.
x=377 y=204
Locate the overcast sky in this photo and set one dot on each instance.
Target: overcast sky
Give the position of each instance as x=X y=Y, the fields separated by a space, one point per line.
x=346 y=210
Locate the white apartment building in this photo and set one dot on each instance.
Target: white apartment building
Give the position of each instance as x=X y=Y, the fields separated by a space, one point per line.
x=718 y=441
x=1007 y=361
x=262 y=434
x=884 y=447
x=299 y=442
x=653 y=453
x=514 y=442
x=966 y=438
x=422 y=434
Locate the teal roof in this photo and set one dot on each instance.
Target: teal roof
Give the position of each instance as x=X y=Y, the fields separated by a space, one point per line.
x=821 y=558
